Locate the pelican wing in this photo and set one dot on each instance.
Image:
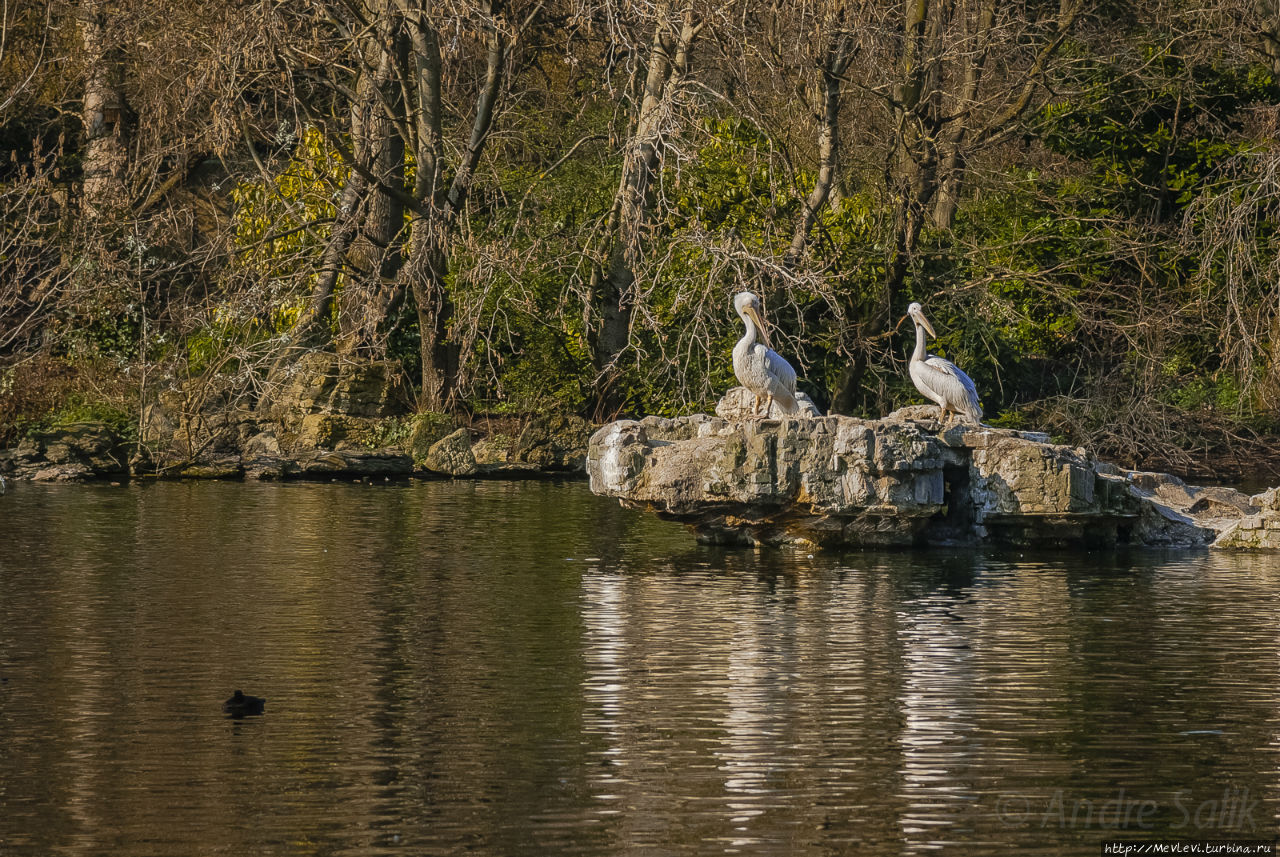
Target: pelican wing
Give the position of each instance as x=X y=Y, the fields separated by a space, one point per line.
x=765 y=373
x=956 y=388
x=782 y=371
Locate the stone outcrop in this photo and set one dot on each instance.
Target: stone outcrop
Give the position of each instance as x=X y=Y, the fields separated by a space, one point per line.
x=545 y=445
x=556 y=443
x=322 y=382
x=452 y=454
x=326 y=416
x=71 y=453
x=901 y=480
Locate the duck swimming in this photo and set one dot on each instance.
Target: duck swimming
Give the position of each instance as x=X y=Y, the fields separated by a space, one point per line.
x=242 y=705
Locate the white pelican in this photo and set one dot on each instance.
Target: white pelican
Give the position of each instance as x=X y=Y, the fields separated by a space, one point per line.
x=941 y=380
x=759 y=368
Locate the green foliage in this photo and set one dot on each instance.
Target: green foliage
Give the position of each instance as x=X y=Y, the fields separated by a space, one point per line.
x=390 y=431
x=1038 y=225
x=1158 y=134
x=533 y=353
x=80 y=408
x=281 y=228
x=213 y=346
x=735 y=182
x=1073 y=257
x=282 y=224
x=99 y=327
x=114 y=281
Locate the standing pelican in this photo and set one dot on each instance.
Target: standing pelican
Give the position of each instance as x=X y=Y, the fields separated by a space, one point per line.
x=941 y=380
x=759 y=368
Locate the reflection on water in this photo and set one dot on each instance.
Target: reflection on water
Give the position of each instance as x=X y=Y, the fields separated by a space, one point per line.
x=514 y=669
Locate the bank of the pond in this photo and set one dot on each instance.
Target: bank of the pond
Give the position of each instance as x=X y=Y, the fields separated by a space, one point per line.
x=328 y=417
x=535 y=447
x=833 y=481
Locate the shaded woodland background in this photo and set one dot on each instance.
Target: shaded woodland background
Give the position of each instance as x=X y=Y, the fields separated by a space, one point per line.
x=547 y=206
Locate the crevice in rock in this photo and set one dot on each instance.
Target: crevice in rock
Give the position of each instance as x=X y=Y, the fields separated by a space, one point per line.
x=953 y=524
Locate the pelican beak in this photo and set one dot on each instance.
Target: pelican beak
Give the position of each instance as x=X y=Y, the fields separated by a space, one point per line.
x=924 y=322
x=760 y=325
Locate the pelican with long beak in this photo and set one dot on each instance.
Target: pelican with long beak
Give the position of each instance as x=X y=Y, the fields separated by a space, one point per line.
x=759 y=368
x=940 y=380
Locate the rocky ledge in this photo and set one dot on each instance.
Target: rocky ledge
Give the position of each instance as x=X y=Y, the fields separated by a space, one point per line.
x=905 y=480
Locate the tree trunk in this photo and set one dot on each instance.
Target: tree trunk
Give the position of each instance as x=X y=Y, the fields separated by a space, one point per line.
x=426 y=270
x=377 y=252
x=952 y=162
x=612 y=287
x=438 y=350
x=105 y=116
x=1268 y=30
x=833 y=69
x=433 y=227
x=911 y=177
x=315 y=325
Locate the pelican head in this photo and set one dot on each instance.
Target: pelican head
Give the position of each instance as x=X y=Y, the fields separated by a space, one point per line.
x=917 y=313
x=743 y=300
x=749 y=307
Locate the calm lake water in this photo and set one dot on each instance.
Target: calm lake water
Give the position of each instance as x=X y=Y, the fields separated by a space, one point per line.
x=525 y=669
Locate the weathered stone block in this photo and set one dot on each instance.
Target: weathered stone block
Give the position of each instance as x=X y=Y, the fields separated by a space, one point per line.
x=71 y=453
x=427 y=428
x=556 y=442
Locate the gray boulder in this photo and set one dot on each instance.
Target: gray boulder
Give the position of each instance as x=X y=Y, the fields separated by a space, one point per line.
x=556 y=443
x=346 y=464
x=1258 y=528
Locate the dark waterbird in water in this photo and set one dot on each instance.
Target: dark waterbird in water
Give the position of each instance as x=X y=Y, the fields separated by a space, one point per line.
x=240 y=705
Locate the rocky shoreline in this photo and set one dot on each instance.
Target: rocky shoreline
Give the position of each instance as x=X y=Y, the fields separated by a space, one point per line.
x=330 y=418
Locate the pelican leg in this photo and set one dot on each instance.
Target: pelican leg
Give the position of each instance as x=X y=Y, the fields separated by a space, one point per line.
x=768 y=407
